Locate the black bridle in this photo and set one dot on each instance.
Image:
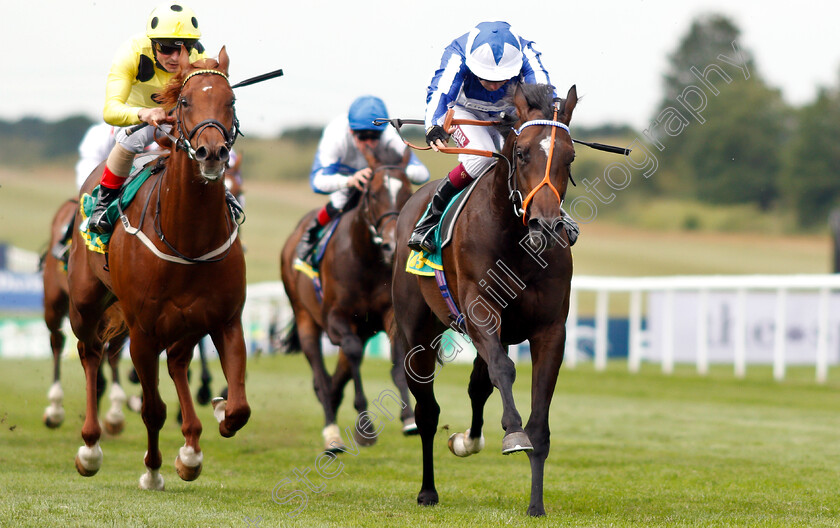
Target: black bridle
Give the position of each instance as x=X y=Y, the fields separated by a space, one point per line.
x=376 y=225
x=184 y=139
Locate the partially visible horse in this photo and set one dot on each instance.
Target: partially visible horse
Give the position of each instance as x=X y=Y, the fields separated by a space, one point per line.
x=508 y=271
x=188 y=281
x=355 y=278
x=56 y=304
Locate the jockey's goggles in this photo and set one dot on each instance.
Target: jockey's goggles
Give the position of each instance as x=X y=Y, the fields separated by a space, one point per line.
x=368 y=135
x=168 y=47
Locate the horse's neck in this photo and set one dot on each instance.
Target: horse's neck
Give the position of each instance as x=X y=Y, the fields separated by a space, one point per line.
x=192 y=211
x=359 y=230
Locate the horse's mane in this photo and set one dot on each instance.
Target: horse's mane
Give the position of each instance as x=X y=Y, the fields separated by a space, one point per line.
x=540 y=97
x=168 y=97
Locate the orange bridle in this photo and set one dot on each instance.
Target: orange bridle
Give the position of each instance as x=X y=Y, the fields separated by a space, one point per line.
x=554 y=124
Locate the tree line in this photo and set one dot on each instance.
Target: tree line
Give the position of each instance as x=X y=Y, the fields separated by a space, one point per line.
x=723 y=134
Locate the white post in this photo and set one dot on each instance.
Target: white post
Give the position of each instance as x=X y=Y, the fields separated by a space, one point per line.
x=634 y=347
x=740 y=333
x=601 y=319
x=822 y=337
x=570 y=352
x=779 y=336
x=668 y=334
x=703 y=332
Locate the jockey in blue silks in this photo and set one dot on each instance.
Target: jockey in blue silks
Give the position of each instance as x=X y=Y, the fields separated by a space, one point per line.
x=340 y=168
x=477 y=71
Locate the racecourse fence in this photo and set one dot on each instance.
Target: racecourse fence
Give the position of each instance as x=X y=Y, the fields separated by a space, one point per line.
x=781 y=320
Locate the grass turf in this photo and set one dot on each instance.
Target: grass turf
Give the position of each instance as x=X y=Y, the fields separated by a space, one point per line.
x=627 y=450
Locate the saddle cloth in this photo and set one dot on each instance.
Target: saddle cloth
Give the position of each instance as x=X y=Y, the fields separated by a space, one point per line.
x=425 y=264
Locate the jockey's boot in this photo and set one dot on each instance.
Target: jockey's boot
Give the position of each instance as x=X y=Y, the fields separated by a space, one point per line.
x=306 y=245
x=99 y=222
x=59 y=250
x=422 y=238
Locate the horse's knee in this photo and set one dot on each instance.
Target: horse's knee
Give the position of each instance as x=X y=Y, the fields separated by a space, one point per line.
x=352 y=347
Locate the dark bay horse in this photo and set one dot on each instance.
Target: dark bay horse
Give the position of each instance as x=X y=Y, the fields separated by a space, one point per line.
x=355 y=276
x=178 y=275
x=509 y=270
x=56 y=305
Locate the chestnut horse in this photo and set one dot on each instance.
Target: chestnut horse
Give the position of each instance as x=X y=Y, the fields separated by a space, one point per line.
x=178 y=275
x=355 y=275
x=509 y=270
x=56 y=304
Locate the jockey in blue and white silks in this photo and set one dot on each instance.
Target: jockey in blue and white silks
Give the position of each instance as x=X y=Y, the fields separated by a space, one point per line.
x=341 y=170
x=477 y=71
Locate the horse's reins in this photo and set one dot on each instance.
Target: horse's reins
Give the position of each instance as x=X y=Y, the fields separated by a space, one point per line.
x=519 y=205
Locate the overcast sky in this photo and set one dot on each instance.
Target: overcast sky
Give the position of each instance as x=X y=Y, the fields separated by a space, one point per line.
x=57 y=53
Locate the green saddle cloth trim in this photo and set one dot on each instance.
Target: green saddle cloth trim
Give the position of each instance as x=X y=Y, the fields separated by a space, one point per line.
x=422 y=262
x=95 y=241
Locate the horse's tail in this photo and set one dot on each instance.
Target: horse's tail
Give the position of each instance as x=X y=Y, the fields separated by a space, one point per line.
x=113 y=323
x=290 y=339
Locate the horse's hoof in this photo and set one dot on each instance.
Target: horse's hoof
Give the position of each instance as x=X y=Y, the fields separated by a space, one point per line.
x=114 y=428
x=536 y=511
x=203 y=396
x=462 y=445
x=151 y=480
x=188 y=473
x=219 y=406
x=517 y=441
x=364 y=433
x=53 y=417
x=188 y=463
x=332 y=439
x=410 y=427
x=89 y=460
x=135 y=403
x=427 y=498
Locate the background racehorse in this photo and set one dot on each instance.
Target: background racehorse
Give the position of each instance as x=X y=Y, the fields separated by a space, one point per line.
x=509 y=275
x=189 y=281
x=56 y=304
x=355 y=275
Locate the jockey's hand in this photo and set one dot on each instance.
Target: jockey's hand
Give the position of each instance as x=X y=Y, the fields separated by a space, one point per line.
x=436 y=138
x=154 y=116
x=360 y=179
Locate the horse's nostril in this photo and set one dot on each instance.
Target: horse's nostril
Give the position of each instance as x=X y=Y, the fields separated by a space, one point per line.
x=224 y=154
x=201 y=154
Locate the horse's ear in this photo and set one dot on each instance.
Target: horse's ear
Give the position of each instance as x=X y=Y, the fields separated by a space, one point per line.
x=569 y=105
x=370 y=157
x=406 y=157
x=184 y=59
x=224 y=61
x=521 y=105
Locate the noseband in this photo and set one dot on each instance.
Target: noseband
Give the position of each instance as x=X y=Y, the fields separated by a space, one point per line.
x=184 y=139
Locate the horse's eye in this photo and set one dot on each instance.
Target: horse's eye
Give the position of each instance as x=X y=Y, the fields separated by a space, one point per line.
x=183 y=102
x=522 y=155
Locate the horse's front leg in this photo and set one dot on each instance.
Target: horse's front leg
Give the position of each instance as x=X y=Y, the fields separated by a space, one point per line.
x=309 y=334
x=144 y=355
x=233 y=413
x=350 y=360
x=546 y=356
x=483 y=325
x=189 y=459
